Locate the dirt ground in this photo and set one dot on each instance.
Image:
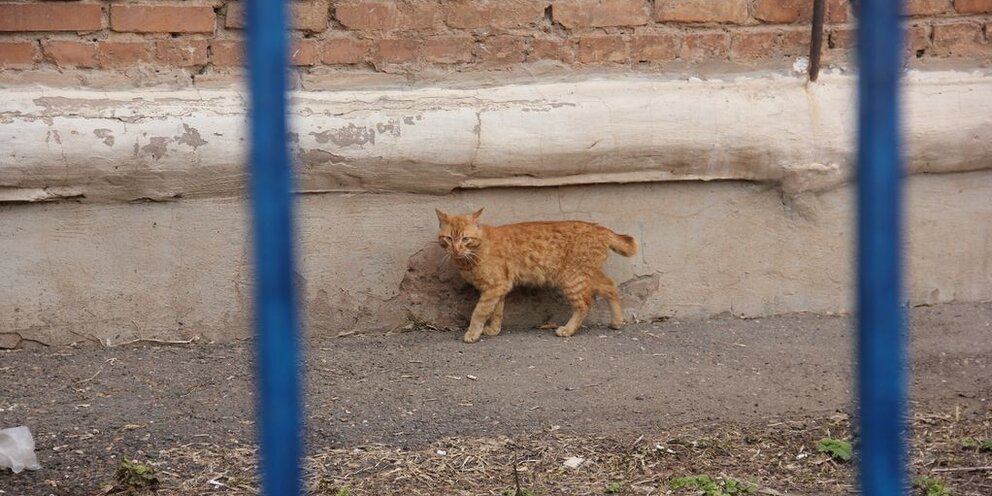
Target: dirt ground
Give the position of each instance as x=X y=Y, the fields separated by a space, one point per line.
x=420 y=412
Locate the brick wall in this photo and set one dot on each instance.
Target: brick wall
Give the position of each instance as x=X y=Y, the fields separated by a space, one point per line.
x=411 y=36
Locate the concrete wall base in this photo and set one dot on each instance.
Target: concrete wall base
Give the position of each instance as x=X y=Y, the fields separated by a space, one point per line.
x=173 y=270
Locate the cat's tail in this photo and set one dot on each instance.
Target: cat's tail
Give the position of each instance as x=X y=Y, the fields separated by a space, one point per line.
x=622 y=244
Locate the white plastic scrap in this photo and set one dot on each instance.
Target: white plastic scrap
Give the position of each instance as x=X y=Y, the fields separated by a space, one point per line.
x=17 y=450
x=574 y=461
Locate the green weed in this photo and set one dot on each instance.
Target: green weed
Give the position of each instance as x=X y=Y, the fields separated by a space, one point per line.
x=133 y=474
x=838 y=449
x=931 y=487
x=710 y=487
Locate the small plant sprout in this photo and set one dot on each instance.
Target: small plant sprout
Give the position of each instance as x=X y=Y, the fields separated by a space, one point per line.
x=709 y=487
x=838 y=449
x=698 y=482
x=133 y=474
x=930 y=487
x=614 y=488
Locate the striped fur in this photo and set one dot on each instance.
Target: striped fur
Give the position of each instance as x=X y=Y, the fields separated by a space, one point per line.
x=568 y=255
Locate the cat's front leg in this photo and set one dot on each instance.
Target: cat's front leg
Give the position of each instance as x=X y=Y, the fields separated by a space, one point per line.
x=483 y=310
x=495 y=324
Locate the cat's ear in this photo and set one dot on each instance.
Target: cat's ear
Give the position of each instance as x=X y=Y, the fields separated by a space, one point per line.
x=477 y=214
x=441 y=216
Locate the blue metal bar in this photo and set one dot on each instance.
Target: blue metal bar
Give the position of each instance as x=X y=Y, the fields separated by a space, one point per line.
x=881 y=334
x=278 y=402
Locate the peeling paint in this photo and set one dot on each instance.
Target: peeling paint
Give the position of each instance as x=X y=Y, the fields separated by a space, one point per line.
x=191 y=137
x=432 y=139
x=106 y=135
x=391 y=127
x=9 y=340
x=53 y=135
x=32 y=195
x=61 y=105
x=638 y=290
x=317 y=156
x=156 y=146
x=346 y=136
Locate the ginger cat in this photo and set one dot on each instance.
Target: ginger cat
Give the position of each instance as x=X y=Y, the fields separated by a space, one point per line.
x=568 y=255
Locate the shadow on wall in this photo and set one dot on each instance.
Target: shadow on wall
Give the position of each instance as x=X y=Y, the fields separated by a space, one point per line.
x=433 y=292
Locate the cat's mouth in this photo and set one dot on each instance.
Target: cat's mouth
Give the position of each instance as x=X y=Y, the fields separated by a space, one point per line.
x=468 y=255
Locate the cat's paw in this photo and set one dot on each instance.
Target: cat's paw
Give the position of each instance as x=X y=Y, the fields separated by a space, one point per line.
x=617 y=325
x=564 y=332
x=490 y=330
x=471 y=337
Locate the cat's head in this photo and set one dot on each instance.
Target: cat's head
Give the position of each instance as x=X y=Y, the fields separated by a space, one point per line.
x=460 y=235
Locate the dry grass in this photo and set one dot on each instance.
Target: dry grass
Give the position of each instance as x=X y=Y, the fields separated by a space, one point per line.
x=779 y=457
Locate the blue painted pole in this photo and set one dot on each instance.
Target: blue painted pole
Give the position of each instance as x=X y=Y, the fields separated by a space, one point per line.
x=881 y=334
x=271 y=183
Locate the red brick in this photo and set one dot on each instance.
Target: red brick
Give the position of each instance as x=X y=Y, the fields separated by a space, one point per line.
x=604 y=48
x=927 y=7
x=655 y=47
x=845 y=38
x=960 y=39
x=720 y=11
x=838 y=11
x=396 y=51
x=502 y=50
x=345 y=50
x=158 y=18
x=227 y=53
x=181 y=53
x=123 y=53
x=70 y=53
x=50 y=16
x=17 y=53
x=917 y=37
x=304 y=52
x=767 y=44
x=785 y=11
x=600 y=13
x=231 y=53
x=973 y=6
x=446 y=50
x=552 y=49
x=306 y=16
x=387 y=16
x=705 y=46
x=496 y=14
x=842 y=38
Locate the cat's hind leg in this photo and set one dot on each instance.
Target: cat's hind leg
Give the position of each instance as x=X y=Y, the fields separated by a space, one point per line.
x=488 y=301
x=579 y=294
x=495 y=324
x=608 y=289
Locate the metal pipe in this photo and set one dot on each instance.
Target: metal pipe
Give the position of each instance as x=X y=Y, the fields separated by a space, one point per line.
x=271 y=180
x=816 y=39
x=880 y=321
